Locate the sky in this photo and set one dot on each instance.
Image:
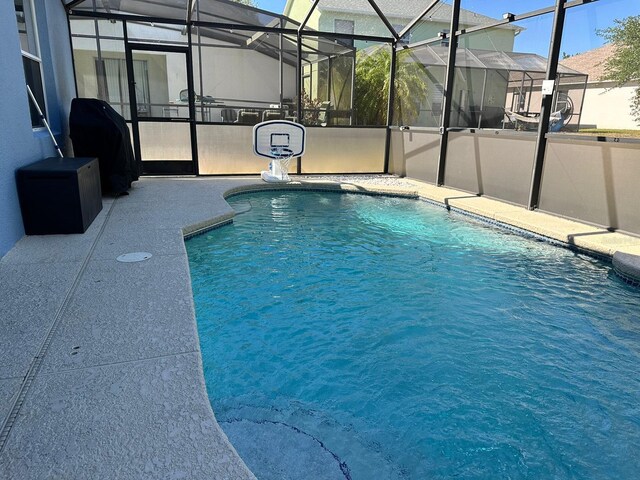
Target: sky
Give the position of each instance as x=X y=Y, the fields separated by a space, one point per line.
x=580 y=27
x=272 y=5
x=581 y=23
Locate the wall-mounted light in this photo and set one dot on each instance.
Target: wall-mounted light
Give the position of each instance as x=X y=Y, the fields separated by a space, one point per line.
x=508 y=16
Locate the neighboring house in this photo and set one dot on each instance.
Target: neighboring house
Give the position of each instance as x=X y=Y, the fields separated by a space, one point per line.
x=359 y=18
x=34 y=49
x=321 y=80
x=605 y=105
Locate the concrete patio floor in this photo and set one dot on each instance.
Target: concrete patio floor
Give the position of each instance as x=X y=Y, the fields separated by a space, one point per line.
x=100 y=370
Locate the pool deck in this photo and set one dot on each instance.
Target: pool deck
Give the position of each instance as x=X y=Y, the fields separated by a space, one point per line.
x=100 y=368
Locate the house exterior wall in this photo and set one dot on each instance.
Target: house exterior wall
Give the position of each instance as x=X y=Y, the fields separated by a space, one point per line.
x=494 y=39
x=370 y=24
x=501 y=39
x=19 y=143
x=228 y=73
x=297 y=10
x=608 y=108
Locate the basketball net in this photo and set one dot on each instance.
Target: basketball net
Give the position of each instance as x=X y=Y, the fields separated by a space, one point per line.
x=279 y=166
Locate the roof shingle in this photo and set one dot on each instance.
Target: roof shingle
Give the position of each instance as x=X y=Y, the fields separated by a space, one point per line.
x=591 y=62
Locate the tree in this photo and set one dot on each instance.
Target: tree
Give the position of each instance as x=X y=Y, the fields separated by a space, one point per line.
x=372 y=87
x=624 y=65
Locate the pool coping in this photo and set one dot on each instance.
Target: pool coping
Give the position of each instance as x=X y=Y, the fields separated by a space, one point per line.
x=60 y=407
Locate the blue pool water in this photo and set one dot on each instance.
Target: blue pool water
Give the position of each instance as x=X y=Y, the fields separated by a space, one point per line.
x=346 y=336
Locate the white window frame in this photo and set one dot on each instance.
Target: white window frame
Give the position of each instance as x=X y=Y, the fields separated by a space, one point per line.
x=339 y=25
x=31 y=27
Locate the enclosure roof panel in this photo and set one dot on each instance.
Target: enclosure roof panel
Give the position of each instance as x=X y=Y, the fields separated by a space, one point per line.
x=169 y=9
x=225 y=11
x=216 y=11
x=436 y=55
x=530 y=62
x=261 y=42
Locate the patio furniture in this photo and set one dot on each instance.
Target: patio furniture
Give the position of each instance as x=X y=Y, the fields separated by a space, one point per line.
x=206 y=99
x=323 y=116
x=248 y=117
x=59 y=195
x=228 y=115
x=272 y=115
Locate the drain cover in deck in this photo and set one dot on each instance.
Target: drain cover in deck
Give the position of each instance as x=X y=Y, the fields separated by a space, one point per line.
x=134 y=257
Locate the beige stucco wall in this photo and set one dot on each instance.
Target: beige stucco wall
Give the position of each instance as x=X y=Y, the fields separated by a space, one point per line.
x=608 y=107
x=228 y=73
x=233 y=73
x=87 y=81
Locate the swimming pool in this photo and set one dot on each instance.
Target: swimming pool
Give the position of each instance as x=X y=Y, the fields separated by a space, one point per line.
x=346 y=336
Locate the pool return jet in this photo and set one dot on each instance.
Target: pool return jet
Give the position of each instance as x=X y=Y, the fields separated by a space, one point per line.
x=279 y=141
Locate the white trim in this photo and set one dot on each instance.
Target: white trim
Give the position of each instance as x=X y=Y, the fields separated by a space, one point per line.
x=30 y=56
x=31 y=26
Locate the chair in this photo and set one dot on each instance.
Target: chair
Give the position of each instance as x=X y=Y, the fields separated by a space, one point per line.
x=272 y=115
x=246 y=117
x=323 y=115
x=228 y=115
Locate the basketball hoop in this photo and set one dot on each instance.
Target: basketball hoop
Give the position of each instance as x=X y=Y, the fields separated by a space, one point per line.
x=280 y=141
x=279 y=166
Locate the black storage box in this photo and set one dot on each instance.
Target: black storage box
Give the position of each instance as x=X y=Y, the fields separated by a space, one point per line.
x=59 y=195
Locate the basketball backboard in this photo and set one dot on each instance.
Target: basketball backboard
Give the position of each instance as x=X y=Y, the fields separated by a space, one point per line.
x=279 y=139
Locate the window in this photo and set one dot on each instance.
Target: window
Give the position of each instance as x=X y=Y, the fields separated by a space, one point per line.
x=444 y=37
x=344 y=26
x=406 y=38
x=32 y=63
x=111 y=74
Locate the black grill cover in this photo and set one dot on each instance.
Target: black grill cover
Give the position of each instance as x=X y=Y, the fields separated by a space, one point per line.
x=97 y=130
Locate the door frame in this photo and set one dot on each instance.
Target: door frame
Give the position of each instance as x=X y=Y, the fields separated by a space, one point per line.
x=162 y=167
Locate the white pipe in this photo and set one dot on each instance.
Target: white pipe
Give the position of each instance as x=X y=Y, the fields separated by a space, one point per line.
x=44 y=120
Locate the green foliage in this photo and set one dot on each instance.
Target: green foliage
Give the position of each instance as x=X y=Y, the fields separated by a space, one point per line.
x=624 y=65
x=372 y=87
x=371 y=95
x=411 y=88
